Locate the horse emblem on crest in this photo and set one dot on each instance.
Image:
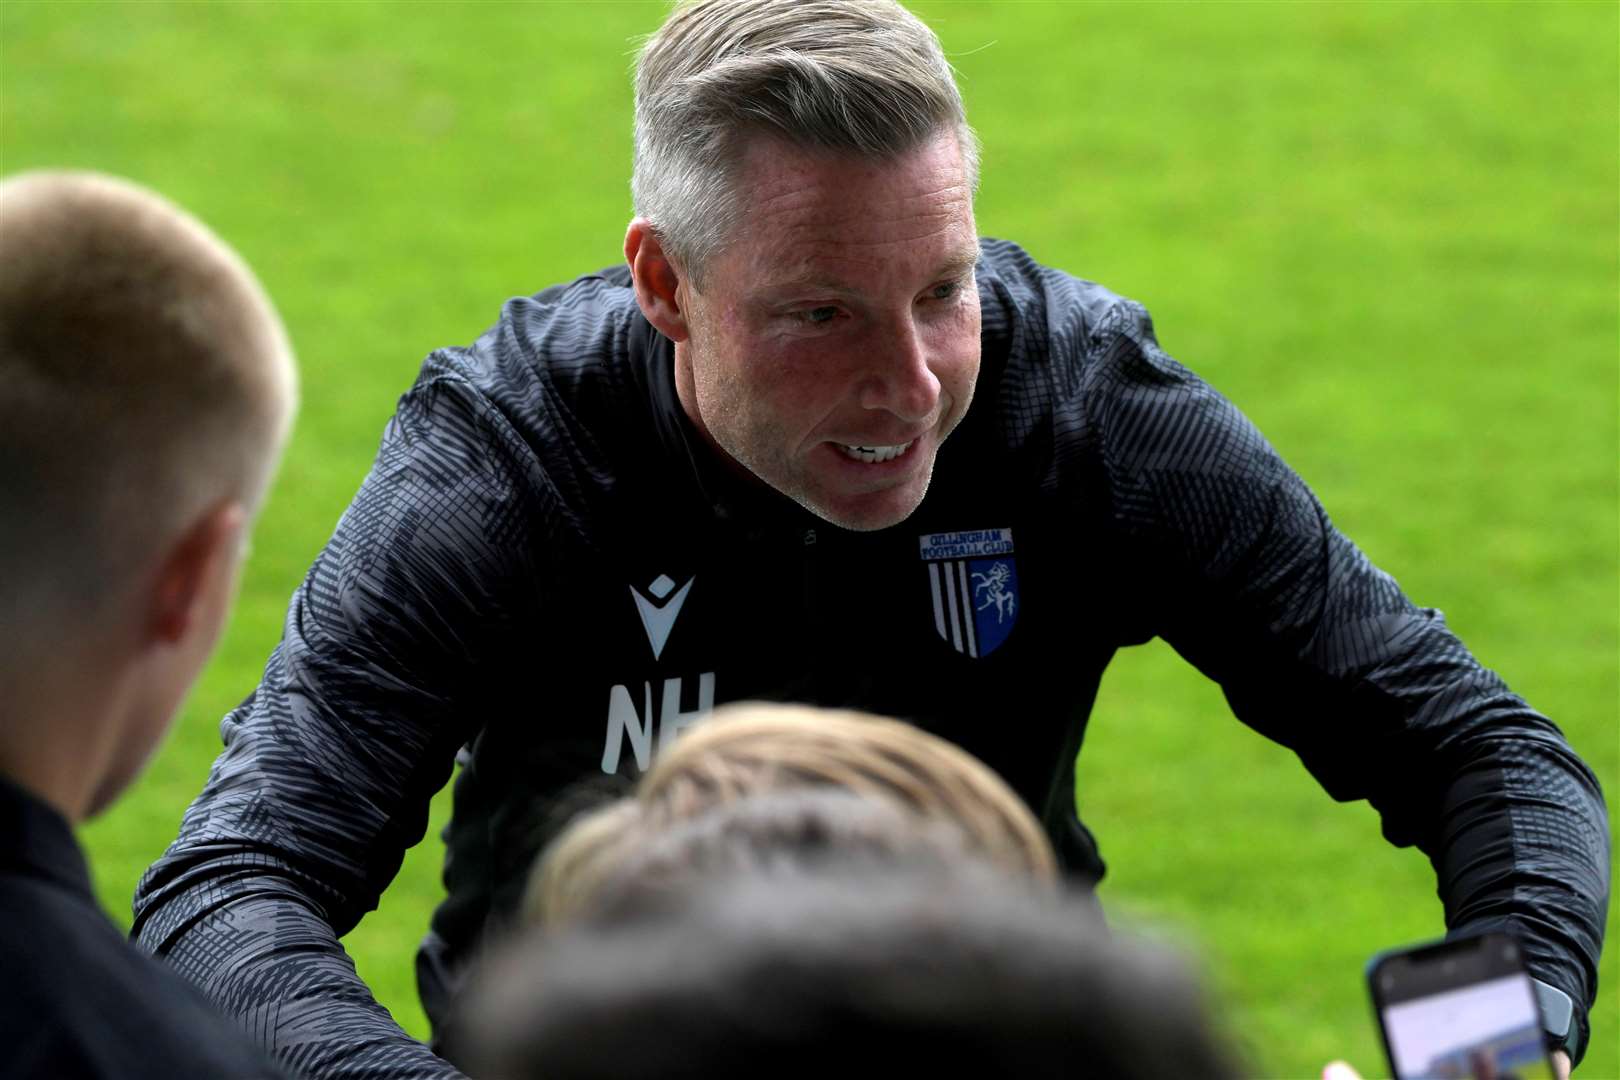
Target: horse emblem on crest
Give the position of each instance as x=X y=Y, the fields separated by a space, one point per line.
x=973 y=582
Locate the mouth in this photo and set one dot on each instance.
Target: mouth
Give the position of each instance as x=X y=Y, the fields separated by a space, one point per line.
x=874 y=455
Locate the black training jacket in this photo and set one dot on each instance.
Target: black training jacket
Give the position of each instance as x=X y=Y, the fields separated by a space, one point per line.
x=547 y=570
x=80 y=1002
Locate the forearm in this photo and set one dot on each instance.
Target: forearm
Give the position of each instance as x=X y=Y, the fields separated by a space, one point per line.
x=1455 y=763
x=1522 y=848
x=267 y=958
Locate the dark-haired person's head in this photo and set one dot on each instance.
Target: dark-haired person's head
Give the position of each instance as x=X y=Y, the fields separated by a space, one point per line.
x=814 y=971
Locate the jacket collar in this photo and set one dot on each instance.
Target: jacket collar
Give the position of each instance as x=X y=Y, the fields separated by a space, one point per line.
x=39 y=842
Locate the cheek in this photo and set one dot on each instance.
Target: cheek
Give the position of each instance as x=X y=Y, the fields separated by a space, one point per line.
x=789 y=370
x=752 y=384
x=956 y=351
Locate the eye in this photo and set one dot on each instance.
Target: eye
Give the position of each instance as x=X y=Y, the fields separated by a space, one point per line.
x=818 y=315
x=945 y=290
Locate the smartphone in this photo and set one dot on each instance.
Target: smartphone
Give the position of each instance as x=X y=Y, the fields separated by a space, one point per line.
x=1459 y=1010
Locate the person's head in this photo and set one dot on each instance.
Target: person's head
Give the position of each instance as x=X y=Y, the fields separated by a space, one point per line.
x=622 y=855
x=804 y=233
x=874 y=969
x=572 y=867
x=756 y=748
x=146 y=387
x=794 y=831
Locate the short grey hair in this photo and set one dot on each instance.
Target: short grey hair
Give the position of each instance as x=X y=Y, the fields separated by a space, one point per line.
x=865 y=77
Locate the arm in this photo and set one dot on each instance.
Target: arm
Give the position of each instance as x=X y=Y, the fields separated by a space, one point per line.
x=1319 y=650
x=328 y=768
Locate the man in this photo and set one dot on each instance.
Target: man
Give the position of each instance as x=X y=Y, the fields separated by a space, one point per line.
x=145 y=391
x=815 y=442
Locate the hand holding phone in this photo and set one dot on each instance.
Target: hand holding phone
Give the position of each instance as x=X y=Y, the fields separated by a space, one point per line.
x=1459 y=1010
x=1342 y=1070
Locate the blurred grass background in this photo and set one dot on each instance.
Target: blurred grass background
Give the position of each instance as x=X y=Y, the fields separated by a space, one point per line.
x=1388 y=231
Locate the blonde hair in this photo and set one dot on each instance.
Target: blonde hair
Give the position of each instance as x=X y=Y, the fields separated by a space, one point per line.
x=754 y=748
x=573 y=866
x=865 y=77
x=144 y=377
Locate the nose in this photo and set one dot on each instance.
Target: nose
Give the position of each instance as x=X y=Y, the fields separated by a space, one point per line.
x=898 y=377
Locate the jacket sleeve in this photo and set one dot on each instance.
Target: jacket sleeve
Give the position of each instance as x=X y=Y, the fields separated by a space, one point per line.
x=1319 y=650
x=329 y=766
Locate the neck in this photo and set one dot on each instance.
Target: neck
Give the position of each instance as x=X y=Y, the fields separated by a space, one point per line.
x=63 y=729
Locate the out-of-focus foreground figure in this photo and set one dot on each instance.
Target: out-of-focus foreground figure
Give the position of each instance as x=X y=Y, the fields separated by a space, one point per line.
x=912 y=970
x=146 y=388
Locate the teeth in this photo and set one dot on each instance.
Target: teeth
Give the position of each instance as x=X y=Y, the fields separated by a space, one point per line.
x=872 y=455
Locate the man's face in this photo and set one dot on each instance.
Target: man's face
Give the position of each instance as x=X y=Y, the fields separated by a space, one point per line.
x=835 y=341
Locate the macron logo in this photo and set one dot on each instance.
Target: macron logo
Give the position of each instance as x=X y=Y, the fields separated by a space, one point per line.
x=658 y=609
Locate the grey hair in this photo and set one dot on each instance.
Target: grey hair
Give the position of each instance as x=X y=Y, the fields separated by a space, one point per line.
x=865 y=77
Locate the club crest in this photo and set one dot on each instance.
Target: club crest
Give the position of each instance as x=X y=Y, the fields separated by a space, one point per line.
x=973 y=580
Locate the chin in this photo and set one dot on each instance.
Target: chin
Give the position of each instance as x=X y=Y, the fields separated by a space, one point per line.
x=871 y=513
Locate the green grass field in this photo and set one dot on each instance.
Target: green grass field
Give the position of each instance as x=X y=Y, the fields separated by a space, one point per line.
x=1388 y=231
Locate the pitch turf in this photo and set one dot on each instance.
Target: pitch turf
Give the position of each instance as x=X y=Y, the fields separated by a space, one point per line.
x=1388 y=231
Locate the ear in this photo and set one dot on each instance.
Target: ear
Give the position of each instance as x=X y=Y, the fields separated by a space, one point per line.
x=203 y=559
x=657 y=280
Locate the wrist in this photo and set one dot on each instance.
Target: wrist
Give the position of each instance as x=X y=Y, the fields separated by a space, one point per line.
x=1558 y=1021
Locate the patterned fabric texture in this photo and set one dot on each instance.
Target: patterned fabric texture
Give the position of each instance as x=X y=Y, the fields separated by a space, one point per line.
x=540 y=504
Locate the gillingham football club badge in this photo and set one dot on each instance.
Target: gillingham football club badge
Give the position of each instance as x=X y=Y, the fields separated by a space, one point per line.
x=974 y=583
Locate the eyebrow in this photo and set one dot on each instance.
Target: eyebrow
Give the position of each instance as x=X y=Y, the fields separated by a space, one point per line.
x=961 y=264
x=957 y=266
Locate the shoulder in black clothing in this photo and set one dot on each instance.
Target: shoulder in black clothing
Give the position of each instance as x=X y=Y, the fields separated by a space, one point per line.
x=80 y=1000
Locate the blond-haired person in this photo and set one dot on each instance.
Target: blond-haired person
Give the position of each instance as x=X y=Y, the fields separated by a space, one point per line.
x=146 y=387
x=756 y=748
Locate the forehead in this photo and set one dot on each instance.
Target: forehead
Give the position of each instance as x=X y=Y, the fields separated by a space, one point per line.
x=810 y=213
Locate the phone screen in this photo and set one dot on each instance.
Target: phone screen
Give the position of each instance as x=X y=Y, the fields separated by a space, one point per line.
x=1460 y=1010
